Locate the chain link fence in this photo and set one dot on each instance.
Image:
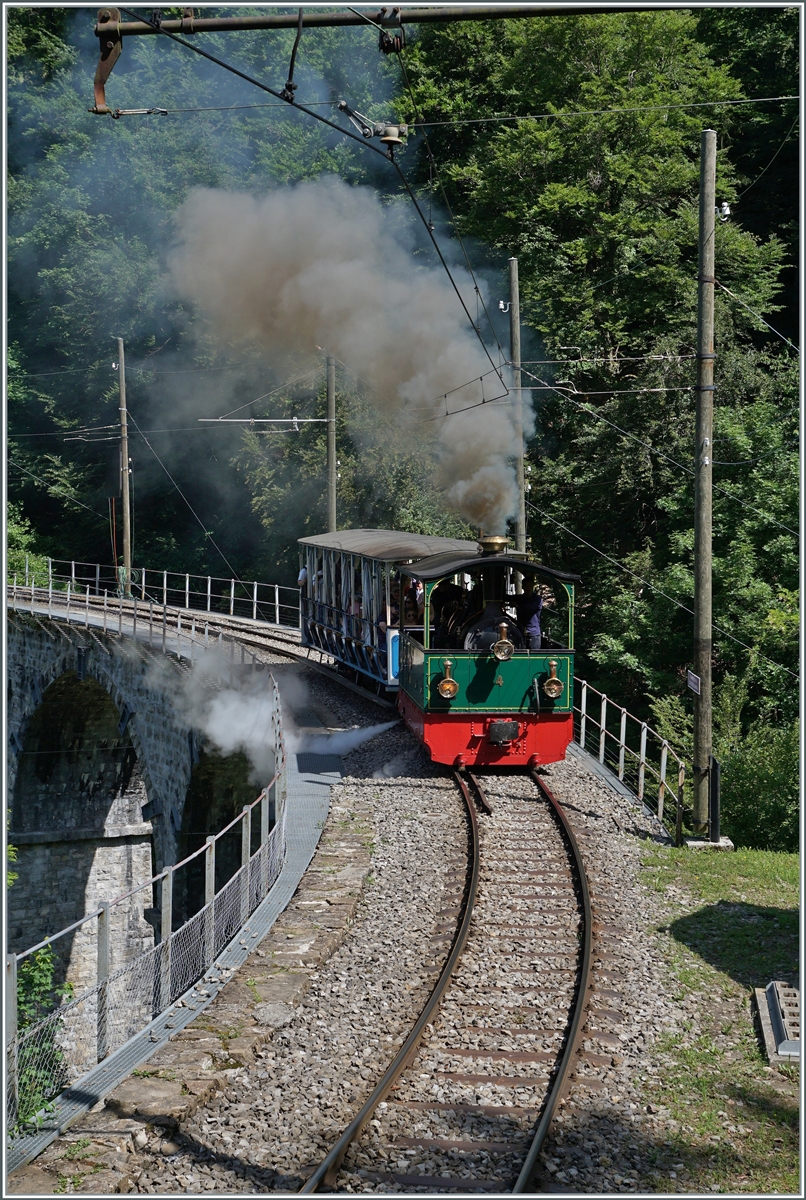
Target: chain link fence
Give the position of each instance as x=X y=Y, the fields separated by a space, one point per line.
x=53 y=1038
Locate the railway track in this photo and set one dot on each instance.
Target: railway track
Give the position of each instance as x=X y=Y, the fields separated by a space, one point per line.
x=469 y=1099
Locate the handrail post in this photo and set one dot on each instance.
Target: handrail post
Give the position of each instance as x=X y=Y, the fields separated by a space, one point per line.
x=187 y=591
x=276 y=604
x=164 y=611
x=50 y=572
x=87 y=609
x=98 y=578
x=208 y=593
x=151 y=622
x=106 y=597
x=622 y=743
x=166 y=923
x=143 y=584
x=11 y=1037
x=264 y=841
x=246 y=847
x=642 y=762
x=68 y=599
x=26 y=570
x=209 y=900
x=164 y=588
x=678 y=824
x=50 y=595
x=72 y=574
x=602 y=720
x=664 y=756
x=254 y=601
x=102 y=976
x=583 y=713
x=231 y=596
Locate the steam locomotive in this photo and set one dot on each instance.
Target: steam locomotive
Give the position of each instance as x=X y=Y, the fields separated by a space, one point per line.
x=436 y=621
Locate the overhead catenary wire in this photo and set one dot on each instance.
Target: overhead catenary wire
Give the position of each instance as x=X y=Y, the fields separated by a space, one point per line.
x=772 y=160
x=565 y=395
x=758 y=316
x=655 y=588
x=176 y=486
x=602 y=112
x=344 y=133
x=55 y=491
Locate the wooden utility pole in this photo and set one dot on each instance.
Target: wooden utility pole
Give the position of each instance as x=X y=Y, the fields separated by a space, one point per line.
x=124 y=476
x=331 y=444
x=703 y=746
x=517 y=400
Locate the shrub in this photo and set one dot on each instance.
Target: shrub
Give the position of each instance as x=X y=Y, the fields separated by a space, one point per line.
x=760 y=790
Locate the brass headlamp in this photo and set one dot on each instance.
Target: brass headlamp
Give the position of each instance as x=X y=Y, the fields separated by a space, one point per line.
x=447 y=686
x=553 y=687
x=503 y=649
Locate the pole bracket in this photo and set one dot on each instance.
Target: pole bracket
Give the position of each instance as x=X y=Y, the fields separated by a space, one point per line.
x=110 y=41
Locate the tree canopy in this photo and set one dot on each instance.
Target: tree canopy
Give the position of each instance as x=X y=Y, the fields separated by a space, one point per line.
x=571 y=142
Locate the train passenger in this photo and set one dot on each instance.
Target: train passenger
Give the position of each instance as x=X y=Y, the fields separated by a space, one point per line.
x=529 y=606
x=410 y=614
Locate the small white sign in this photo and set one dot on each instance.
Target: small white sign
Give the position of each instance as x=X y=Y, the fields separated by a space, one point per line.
x=693 y=682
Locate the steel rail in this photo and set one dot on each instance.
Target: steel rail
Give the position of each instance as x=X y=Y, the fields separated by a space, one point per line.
x=524 y=1180
x=482 y=795
x=326 y=20
x=328 y=1169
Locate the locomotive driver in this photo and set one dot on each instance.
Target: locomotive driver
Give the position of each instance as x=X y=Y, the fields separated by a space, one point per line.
x=529 y=606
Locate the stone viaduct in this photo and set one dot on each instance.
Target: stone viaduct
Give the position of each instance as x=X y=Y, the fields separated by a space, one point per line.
x=103 y=774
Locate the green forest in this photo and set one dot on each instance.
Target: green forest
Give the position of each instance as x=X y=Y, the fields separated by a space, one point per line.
x=571 y=142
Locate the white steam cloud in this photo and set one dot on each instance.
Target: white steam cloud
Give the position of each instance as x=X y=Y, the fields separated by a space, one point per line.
x=345 y=740
x=232 y=718
x=324 y=265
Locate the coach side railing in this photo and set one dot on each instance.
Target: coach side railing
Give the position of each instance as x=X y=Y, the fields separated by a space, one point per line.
x=47 y=1055
x=640 y=757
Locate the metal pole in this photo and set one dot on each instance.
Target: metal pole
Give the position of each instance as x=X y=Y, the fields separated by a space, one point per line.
x=331 y=444
x=583 y=714
x=165 y=937
x=602 y=729
x=277 y=604
x=103 y=975
x=209 y=900
x=246 y=846
x=98 y=578
x=254 y=601
x=208 y=593
x=517 y=402
x=714 y=781
x=187 y=591
x=231 y=596
x=702 y=481
x=11 y=1035
x=164 y=588
x=124 y=475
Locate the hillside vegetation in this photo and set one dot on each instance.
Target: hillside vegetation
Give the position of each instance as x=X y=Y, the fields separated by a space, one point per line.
x=594 y=188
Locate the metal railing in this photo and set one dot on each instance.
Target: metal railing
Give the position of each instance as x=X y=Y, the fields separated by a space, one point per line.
x=640 y=757
x=47 y=1055
x=272 y=603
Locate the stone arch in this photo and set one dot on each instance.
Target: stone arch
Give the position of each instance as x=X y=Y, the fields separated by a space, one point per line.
x=77 y=822
x=219 y=788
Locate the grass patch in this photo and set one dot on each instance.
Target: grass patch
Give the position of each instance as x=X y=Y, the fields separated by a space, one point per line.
x=736 y=1120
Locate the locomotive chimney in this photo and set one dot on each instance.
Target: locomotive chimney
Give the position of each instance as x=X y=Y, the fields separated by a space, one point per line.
x=492 y=543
